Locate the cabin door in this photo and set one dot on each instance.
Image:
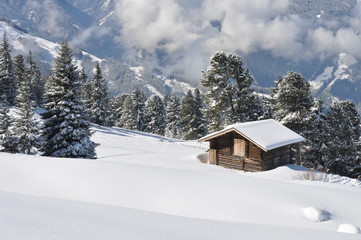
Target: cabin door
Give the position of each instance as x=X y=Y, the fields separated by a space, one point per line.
x=213 y=156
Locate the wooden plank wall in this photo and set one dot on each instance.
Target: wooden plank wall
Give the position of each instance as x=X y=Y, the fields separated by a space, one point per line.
x=225 y=155
x=276 y=157
x=253 y=162
x=255 y=159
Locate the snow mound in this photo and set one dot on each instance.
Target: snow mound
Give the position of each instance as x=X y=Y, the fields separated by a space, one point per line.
x=316 y=215
x=203 y=157
x=348 y=228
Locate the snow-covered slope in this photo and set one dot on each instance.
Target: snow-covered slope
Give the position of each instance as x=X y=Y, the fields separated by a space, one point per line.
x=339 y=80
x=122 y=78
x=145 y=186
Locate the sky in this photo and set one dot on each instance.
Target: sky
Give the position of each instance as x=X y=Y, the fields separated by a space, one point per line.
x=186 y=34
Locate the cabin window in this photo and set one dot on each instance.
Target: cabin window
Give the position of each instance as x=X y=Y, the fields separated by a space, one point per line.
x=239 y=148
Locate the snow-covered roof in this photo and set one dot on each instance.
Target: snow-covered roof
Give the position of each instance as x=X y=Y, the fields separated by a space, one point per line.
x=266 y=134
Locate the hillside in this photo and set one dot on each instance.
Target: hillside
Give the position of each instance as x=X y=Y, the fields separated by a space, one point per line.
x=145 y=186
x=122 y=77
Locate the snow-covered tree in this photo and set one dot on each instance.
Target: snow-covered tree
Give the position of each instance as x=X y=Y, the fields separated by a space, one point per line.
x=291 y=95
x=341 y=155
x=86 y=90
x=172 y=118
x=267 y=108
x=199 y=121
x=98 y=110
x=19 y=72
x=66 y=130
x=5 y=121
x=139 y=105
x=7 y=79
x=229 y=96
x=193 y=124
x=154 y=115
x=37 y=83
x=166 y=99
x=23 y=134
x=129 y=114
x=314 y=148
x=292 y=101
x=116 y=105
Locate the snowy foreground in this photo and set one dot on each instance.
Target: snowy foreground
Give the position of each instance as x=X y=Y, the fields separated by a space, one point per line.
x=147 y=187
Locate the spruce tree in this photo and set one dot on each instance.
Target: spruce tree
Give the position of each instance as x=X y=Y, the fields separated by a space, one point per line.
x=341 y=155
x=23 y=134
x=166 y=99
x=7 y=79
x=172 y=119
x=199 y=121
x=5 y=121
x=154 y=115
x=129 y=114
x=20 y=73
x=139 y=105
x=98 y=110
x=314 y=148
x=117 y=104
x=192 y=122
x=66 y=130
x=37 y=83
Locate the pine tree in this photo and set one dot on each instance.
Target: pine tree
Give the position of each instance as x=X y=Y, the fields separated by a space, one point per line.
x=66 y=130
x=117 y=105
x=86 y=92
x=99 y=99
x=267 y=108
x=350 y=109
x=292 y=103
x=292 y=94
x=37 y=83
x=5 y=121
x=229 y=96
x=172 y=118
x=139 y=105
x=129 y=114
x=199 y=122
x=341 y=155
x=154 y=115
x=192 y=122
x=23 y=134
x=7 y=79
x=166 y=99
x=314 y=149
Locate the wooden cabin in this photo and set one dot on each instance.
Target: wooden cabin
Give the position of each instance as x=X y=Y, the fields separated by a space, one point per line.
x=252 y=146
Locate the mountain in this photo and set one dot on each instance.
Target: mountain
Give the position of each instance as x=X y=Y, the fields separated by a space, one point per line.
x=122 y=77
x=135 y=54
x=321 y=8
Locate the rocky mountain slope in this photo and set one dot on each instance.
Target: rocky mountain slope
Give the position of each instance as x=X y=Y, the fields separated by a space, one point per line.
x=95 y=27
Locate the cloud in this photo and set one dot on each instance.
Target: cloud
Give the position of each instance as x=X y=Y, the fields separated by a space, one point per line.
x=189 y=31
x=52 y=20
x=88 y=34
x=155 y=24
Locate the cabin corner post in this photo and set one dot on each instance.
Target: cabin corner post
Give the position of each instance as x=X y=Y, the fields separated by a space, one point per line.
x=298 y=156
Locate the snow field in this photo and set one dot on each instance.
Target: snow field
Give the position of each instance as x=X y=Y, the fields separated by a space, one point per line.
x=148 y=187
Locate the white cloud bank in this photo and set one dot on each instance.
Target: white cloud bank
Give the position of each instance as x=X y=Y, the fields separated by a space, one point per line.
x=182 y=29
